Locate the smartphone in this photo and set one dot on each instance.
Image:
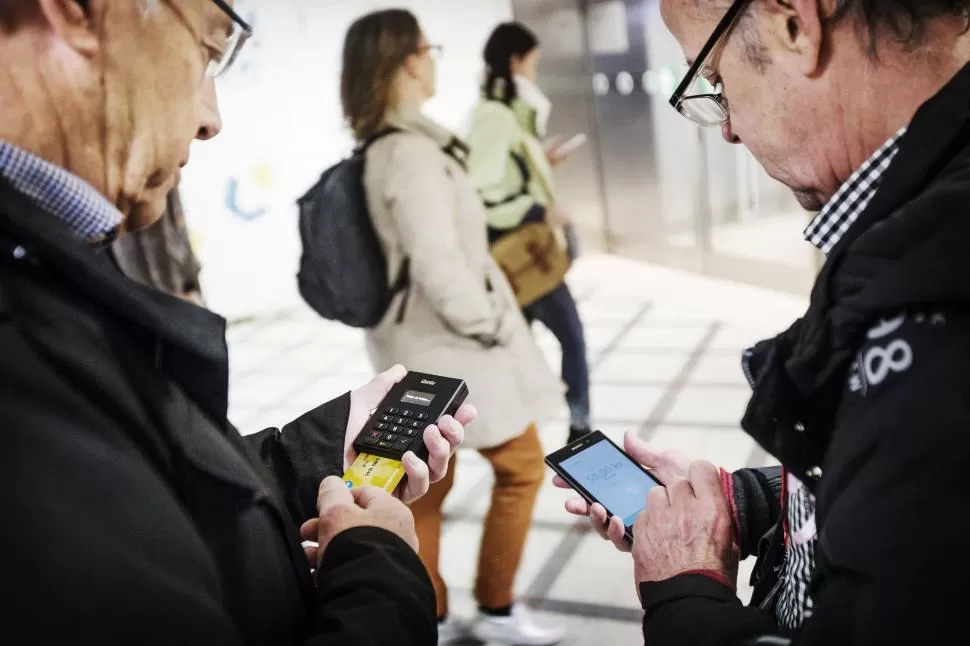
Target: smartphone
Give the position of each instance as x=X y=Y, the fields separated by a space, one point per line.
x=602 y=472
x=571 y=145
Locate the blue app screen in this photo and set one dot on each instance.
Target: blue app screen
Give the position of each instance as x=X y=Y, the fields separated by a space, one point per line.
x=612 y=479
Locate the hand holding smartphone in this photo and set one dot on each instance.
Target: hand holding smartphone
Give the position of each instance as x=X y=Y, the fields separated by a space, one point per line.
x=601 y=472
x=562 y=151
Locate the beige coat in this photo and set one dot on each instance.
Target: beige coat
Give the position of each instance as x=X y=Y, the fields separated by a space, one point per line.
x=461 y=318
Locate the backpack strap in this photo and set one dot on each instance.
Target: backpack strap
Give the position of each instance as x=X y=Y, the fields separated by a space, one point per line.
x=523 y=170
x=403 y=281
x=367 y=143
x=457 y=150
x=523 y=191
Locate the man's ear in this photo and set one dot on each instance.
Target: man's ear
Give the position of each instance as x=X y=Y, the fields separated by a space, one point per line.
x=798 y=28
x=71 y=21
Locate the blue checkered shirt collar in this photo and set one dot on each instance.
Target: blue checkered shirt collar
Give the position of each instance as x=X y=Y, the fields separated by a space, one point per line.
x=852 y=198
x=61 y=193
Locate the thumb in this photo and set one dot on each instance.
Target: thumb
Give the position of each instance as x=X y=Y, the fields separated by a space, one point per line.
x=705 y=479
x=365 y=497
x=333 y=491
x=377 y=388
x=390 y=377
x=655 y=461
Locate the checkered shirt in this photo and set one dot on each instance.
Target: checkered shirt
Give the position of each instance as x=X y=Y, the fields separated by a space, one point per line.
x=794 y=605
x=61 y=193
x=852 y=198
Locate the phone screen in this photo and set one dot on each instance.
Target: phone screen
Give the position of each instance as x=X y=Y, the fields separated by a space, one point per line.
x=612 y=479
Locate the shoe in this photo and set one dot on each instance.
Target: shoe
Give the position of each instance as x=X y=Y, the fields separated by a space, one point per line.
x=576 y=432
x=452 y=631
x=516 y=630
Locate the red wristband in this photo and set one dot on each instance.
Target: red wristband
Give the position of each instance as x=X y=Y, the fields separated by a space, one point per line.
x=727 y=486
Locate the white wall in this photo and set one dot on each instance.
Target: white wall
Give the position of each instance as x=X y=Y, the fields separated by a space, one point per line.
x=282 y=127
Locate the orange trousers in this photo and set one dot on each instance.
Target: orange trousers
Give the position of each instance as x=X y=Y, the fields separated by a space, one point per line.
x=519 y=469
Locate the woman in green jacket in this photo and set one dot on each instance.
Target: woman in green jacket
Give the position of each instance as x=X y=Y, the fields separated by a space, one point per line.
x=512 y=169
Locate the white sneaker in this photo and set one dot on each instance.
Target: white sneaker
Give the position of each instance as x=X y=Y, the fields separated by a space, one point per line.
x=517 y=630
x=452 y=631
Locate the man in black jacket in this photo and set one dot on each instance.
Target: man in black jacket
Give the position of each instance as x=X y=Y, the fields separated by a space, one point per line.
x=133 y=513
x=861 y=107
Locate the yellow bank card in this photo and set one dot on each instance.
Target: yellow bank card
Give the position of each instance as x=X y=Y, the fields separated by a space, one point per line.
x=373 y=471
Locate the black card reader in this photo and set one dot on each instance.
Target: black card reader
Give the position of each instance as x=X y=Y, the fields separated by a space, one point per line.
x=413 y=404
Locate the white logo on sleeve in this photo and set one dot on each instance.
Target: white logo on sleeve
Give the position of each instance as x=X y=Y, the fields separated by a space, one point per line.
x=879 y=362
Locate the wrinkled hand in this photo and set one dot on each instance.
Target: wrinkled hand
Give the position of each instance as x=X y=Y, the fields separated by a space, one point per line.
x=687 y=525
x=666 y=466
x=442 y=439
x=341 y=509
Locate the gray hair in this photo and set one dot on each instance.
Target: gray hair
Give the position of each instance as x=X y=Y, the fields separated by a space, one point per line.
x=905 y=21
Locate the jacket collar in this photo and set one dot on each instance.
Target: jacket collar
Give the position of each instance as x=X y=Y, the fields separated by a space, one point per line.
x=907 y=249
x=938 y=131
x=411 y=119
x=525 y=115
x=194 y=338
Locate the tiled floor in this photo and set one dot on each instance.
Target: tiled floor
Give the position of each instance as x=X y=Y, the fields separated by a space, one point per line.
x=664 y=350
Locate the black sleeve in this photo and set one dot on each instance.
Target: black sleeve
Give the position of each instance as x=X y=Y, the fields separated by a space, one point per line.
x=373 y=590
x=892 y=502
x=757 y=505
x=305 y=452
x=97 y=547
x=694 y=609
x=891 y=505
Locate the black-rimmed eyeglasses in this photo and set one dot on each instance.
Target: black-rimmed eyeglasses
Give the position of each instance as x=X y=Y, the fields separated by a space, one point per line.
x=241 y=32
x=706 y=106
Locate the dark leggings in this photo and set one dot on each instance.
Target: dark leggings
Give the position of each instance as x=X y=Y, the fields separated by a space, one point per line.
x=557 y=311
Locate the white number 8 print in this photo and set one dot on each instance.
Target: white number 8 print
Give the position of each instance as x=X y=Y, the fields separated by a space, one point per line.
x=879 y=362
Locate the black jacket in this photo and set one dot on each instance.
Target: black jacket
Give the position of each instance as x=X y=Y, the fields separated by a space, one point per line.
x=867 y=399
x=133 y=513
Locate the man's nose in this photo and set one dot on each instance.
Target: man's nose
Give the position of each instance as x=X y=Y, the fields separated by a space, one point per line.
x=728 y=133
x=210 y=121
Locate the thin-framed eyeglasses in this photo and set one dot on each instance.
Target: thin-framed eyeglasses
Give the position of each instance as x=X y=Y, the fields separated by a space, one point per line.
x=434 y=51
x=241 y=32
x=707 y=107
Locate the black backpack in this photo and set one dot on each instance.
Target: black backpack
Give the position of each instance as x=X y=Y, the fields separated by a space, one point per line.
x=343 y=272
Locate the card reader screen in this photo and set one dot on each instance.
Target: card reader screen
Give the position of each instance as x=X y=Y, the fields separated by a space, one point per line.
x=612 y=479
x=417 y=398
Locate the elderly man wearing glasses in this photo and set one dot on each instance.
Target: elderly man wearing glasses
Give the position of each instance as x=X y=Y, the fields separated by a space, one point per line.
x=133 y=512
x=862 y=108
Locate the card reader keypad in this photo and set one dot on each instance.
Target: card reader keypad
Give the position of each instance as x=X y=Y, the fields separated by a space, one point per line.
x=395 y=428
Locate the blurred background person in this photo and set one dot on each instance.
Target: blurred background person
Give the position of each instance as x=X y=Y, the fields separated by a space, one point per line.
x=458 y=315
x=161 y=256
x=512 y=169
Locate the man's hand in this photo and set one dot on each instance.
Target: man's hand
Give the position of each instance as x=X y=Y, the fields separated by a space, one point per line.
x=442 y=439
x=666 y=466
x=686 y=526
x=341 y=508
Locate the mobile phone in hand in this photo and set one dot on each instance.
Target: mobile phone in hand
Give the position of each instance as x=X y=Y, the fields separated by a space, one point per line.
x=570 y=146
x=601 y=472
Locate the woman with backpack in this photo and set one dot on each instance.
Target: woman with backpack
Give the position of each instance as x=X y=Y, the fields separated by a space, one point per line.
x=456 y=314
x=512 y=169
